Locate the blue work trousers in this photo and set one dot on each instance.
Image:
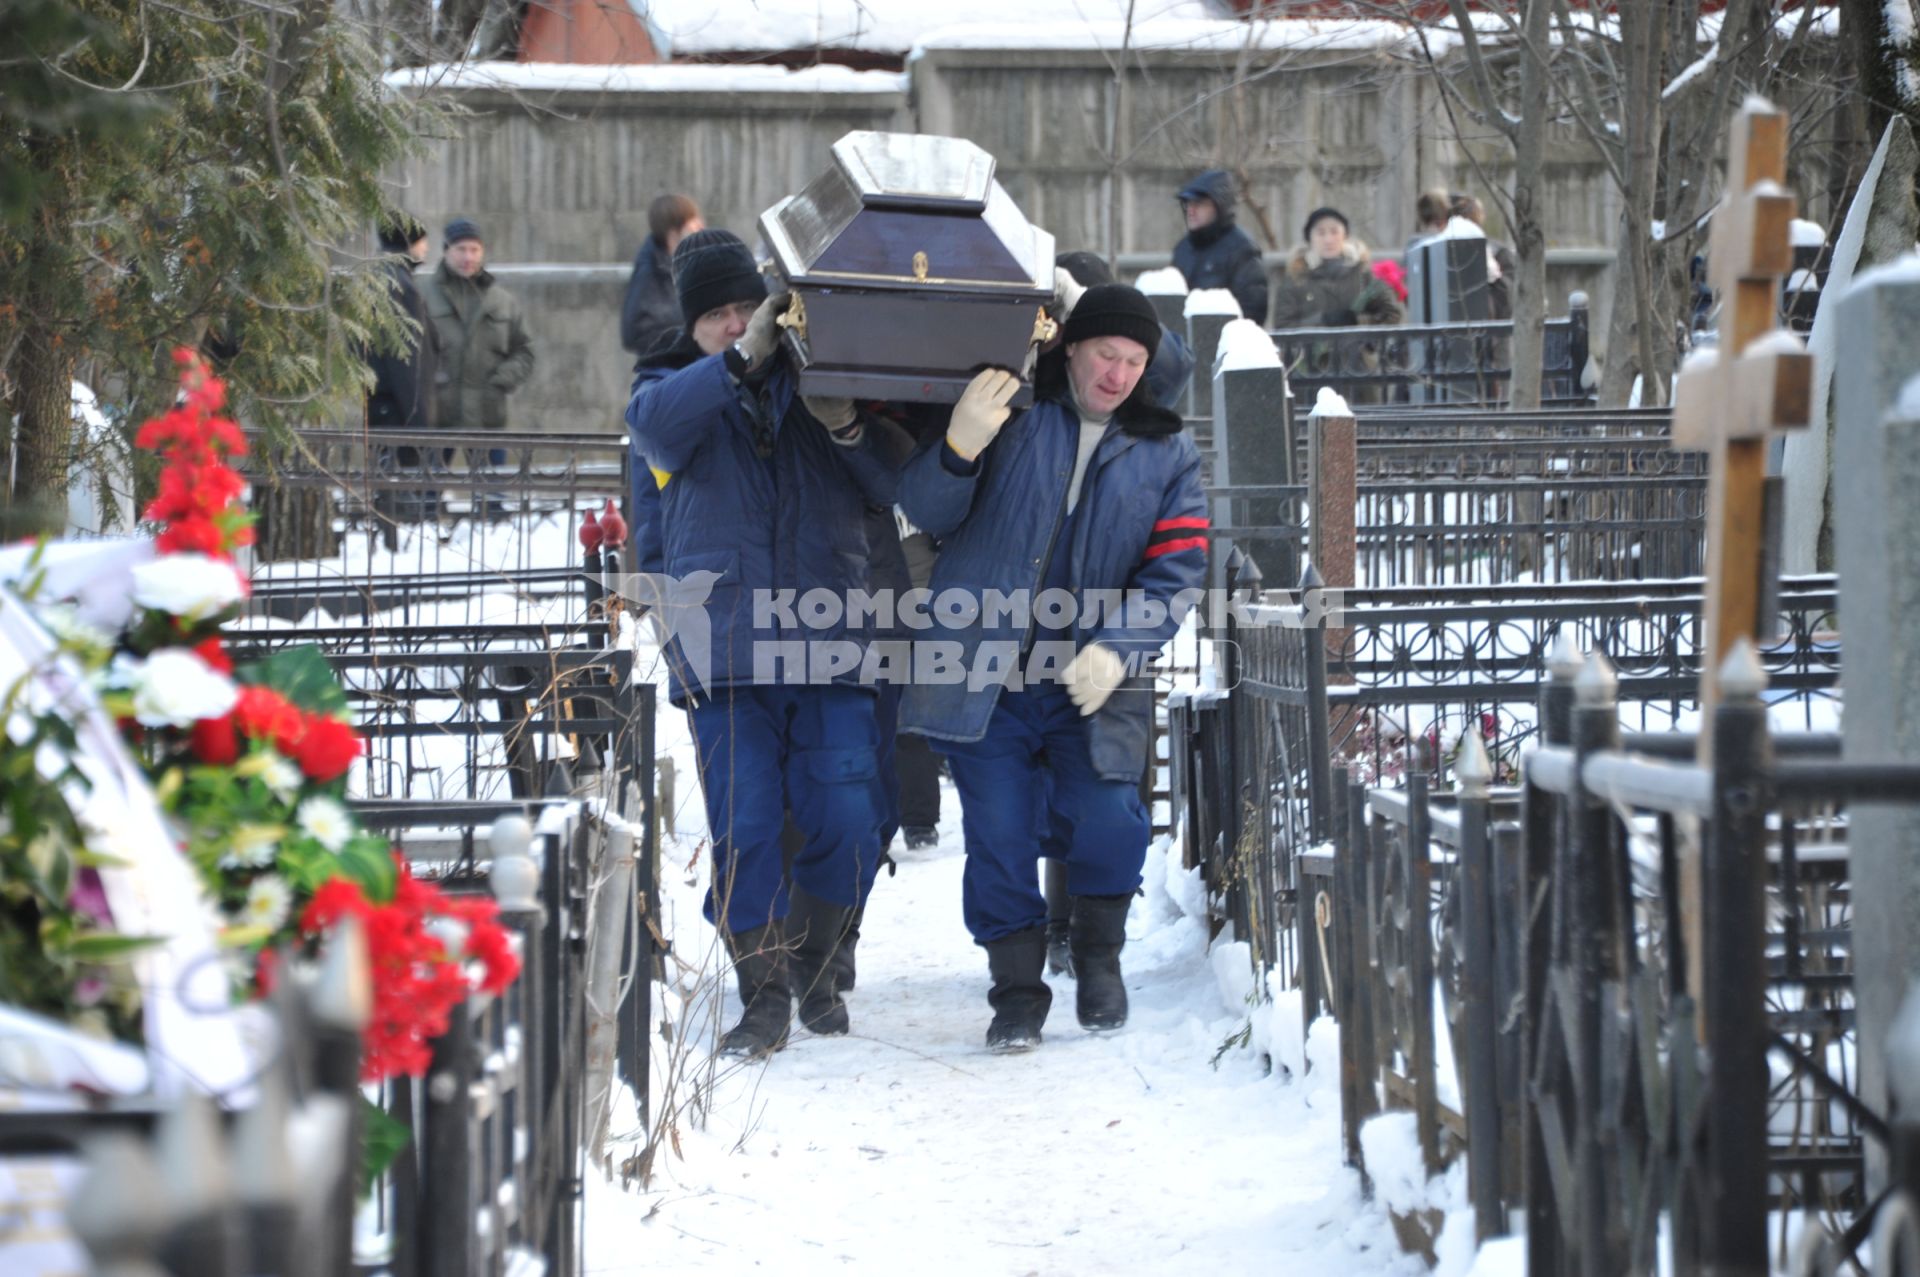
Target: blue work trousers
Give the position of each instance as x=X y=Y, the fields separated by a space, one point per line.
x=1035 y=752
x=764 y=751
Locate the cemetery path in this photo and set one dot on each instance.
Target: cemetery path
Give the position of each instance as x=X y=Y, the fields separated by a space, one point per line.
x=909 y=1146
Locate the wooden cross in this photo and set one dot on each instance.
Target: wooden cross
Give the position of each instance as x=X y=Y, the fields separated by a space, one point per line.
x=1758 y=380
x=1724 y=403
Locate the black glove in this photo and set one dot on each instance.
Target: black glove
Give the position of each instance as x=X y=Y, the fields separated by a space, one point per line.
x=1340 y=317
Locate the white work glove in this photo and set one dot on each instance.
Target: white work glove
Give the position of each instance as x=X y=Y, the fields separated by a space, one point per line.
x=837 y=416
x=762 y=331
x=981 y=412
x=1067 y=292
x=1092 y=676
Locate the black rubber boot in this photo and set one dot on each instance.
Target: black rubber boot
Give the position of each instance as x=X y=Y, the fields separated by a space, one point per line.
x=818 y=930
x=1019 y=996
x=1099 y=930
x=760 y=965
x=1059 y=911
x=843 y=972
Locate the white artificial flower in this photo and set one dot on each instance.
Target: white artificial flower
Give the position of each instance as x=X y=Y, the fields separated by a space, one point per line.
x=190 y=586
x=252 y=847
x=175 y=688
x=282 y=777
x=268 y=901
x=326 y=821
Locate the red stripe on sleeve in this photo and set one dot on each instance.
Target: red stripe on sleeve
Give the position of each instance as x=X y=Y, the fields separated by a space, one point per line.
x=1170 y=547
x=1164 y=525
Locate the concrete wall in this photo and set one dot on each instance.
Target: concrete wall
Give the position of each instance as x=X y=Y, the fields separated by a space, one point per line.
x=581 y=375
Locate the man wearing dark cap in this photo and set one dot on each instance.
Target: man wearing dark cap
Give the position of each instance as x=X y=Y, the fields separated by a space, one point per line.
x=484 y=352
x=763 y=496
x=1087 y=507
x=1216 y=253
x=402 y=397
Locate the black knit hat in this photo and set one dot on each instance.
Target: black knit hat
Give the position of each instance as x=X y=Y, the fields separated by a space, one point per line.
x=711 y=269
x=1115 y=310
x=400 y=231
x=461 y=228
x=1320 y=214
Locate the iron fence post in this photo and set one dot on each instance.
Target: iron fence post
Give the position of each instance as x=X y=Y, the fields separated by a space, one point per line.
x=1734 y=929
x=1479 y=980
x=1594 y=943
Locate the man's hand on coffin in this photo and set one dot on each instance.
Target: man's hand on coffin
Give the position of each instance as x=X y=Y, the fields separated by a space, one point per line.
x=981 y=412
x=763 y=331
x=837 y=415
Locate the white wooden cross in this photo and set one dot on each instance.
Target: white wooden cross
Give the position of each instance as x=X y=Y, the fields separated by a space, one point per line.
x=1758 y=379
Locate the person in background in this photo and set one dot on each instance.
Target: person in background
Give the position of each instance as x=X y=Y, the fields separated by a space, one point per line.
x=1216 y=253
x=1329 y=282
x=651 y=310
x=485 y=352
x=1431 y=211
x=766 y=492
x=1500 y=263
x=1172 y=366
x=402 y=397
x=1095 y=488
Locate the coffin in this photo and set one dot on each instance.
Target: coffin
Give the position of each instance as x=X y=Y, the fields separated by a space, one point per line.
x=910 y=270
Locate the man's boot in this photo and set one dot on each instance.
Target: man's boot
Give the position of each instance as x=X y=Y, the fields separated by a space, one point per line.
x=1059 y=913
x=1099 y=929
x=760 y=965
x=818 y=930
x=843 y=972
x=1019 y=996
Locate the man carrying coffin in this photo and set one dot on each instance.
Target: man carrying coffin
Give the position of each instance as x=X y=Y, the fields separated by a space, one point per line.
x=1093 y=491
x=766 y=493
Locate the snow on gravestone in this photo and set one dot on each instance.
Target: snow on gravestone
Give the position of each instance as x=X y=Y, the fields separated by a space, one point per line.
x=1208 y=311
x=1253 y=439
x=1877 y=542
x=1881 y=225
x=1166 y=288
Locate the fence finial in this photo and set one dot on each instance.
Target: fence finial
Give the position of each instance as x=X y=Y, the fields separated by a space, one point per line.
x=1310 y=578
x=1472 y=769
x=514 y=877
x=1742 y=674
x=1596 y=684
x=1564 y=659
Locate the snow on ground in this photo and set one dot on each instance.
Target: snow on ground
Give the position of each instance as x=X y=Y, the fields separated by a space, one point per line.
x=1152 y=1150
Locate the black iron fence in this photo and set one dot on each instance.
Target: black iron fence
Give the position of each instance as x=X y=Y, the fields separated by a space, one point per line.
x=1468 y=363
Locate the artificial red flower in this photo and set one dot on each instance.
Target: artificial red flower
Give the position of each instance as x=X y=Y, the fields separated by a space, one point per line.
x=214 y=652
x=326 y=748
x=214 y=742
x=1390 y=274
x=264 y=714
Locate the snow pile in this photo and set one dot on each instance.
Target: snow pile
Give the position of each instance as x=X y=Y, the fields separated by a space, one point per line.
x=1779 y=341
x=1330 y=403
x=1200 y=33
x=1806 y=234
x=1167 y=281
x=1390 y=1144
x=1803 y=281
x=561 y=77
x=1245 y=344
x=1211 y=301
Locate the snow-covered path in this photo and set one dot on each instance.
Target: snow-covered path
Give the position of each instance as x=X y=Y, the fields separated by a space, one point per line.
x=907 y=1147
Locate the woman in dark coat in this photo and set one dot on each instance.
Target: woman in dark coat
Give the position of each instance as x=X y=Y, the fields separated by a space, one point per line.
x=1329 y=280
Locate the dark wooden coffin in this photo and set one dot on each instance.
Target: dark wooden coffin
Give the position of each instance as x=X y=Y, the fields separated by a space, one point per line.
x=911 y=270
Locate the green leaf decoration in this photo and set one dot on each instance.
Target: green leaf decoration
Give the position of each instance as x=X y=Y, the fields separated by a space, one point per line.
x=302 y=675
x=368 y=862
x=385 y=1137
x=108 y=946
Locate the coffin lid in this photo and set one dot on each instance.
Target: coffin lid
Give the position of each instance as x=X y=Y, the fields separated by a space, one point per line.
x=908 y=210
